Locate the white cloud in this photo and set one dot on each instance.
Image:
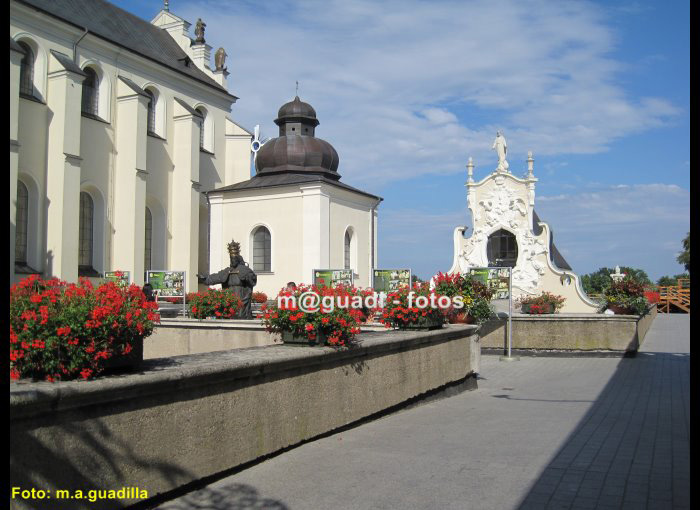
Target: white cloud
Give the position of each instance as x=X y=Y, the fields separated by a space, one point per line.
x=639 y=225
x=391 y=80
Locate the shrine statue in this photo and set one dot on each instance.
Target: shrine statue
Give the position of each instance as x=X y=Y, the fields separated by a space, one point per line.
x=238 y=277
x=501 y=148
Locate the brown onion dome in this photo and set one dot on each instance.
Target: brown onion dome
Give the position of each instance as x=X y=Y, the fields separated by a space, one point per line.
x=297 y=150
x=296 y=109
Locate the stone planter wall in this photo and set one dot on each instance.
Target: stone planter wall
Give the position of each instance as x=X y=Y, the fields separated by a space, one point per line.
x=570 y=332
x=178 y=337
x=185 y=418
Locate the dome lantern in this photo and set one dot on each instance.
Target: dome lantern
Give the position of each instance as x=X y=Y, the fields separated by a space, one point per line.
x=297 y=150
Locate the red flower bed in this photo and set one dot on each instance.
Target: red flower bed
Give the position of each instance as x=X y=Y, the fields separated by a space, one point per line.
x=652 y=296
x=61 y=330
x=215 y=303
x=175 y=300
x=259 y=297
x=400 y=312
x=339 y=324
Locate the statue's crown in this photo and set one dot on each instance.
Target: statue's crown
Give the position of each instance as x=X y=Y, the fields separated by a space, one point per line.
x=234 y=248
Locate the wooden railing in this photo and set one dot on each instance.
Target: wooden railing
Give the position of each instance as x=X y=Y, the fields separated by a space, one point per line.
x=675 y=297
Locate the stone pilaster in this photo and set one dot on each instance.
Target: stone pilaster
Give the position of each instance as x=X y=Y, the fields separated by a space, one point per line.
x=63 y=167
x=16 y=55
x=238 y=154
x=130 y=180
x=216 y=233
x=184 y=214
x=315 y=231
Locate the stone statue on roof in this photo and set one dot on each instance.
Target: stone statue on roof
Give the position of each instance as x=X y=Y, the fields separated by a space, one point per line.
x=501 y=148
x=199 y=31
x=220 y=59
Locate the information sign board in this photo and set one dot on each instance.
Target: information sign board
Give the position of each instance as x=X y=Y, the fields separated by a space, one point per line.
x=388 y=280
x=333 y=277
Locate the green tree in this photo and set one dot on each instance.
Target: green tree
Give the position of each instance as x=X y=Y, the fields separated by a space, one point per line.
x=598 y=281
x=665 y=281
x=684 y=256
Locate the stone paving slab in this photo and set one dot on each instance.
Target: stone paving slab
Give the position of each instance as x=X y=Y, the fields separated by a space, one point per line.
x=539 y=433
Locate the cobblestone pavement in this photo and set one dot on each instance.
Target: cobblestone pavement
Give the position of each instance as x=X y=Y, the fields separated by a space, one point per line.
x=538 y=433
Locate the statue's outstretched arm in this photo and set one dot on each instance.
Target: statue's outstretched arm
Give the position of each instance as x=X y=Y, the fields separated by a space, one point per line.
x=216 y=278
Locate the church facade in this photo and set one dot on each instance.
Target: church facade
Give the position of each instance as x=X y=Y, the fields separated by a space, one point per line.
x=295 y=214
x=508 y=233
x=118 y=128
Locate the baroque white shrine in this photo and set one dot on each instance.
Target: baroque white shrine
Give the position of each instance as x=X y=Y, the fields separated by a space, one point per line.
x=508 y=233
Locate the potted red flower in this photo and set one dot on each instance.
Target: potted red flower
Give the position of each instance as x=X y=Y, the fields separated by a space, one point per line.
x=313 y=325
x=61 y=330
x=214 y=304
x=626 y=297
x=544 y=303
x=475 y=296
x=404 y=308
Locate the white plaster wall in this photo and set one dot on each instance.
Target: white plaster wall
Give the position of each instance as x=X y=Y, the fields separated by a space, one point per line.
x=278 y=210
x=354 y=212
x=282 y=210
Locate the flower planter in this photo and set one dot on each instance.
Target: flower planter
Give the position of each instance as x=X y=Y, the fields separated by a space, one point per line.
x=461 y=318
x=539 y=310
x=126 y=362
x=289 y=338
x=425 y=324
x=621 y=310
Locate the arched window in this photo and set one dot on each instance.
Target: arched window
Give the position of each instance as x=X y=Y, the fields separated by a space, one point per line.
x=22 y=223
x=90 y=98
x=202 y=124
x=502 y=249
x=151 y=111
x=26 y=71
x=348 y=243
x=85 y=245
x=262 y=250
x=206 y=130
x=148 y=241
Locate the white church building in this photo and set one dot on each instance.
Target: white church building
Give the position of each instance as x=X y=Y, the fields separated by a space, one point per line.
x=118 y=128
x=508 y=233
x=123 y=156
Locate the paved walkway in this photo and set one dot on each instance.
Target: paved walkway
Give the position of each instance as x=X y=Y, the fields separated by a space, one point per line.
x=538 y=433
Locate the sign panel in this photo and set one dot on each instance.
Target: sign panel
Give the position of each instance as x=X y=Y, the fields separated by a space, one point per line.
x=119 y=277
x=497 y=279
x=387 y=280
x=167 y=283
x=333 y=277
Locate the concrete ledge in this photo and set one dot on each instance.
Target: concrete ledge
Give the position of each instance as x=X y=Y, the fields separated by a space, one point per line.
x=179 y=337
x=569 y=332
x=182 y=336
x=189 y=417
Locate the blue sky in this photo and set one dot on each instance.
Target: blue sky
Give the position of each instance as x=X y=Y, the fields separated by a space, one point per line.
x=406 y=91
